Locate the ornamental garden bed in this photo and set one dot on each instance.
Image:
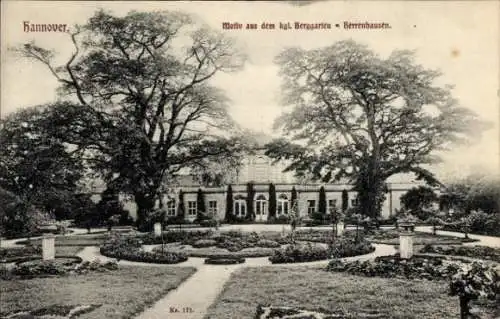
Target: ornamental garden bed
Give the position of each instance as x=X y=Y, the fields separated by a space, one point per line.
x=306 y=252
x=129 y=248
x=417 y=267
x=207 y=252
x=391 y=237
x=478 y=252
x=224 y=260
x=60 y=266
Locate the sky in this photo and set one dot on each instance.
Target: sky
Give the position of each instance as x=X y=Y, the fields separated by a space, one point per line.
x=458 y=37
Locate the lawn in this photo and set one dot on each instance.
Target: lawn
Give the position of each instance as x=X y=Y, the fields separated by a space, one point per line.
x=123 y=293
x=317 y=289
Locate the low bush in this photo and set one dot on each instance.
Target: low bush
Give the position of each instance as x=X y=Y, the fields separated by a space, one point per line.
x=173 y=236
x=299 y=253
x=417 y=267
x=348 y=247
x=202 y=243
x=208 y=223
x=266 y=243
x=57 y=267
x=479 y=252
x=224 y=260
x=16 y=252
x=480 y=223
x=129 y=249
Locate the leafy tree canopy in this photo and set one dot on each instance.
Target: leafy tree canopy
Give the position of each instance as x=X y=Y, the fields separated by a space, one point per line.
x=356 y=115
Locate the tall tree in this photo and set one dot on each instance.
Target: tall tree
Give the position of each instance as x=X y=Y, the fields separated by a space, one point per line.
x=418 y=200
x=358 y=116
x=250 y=200
x=181 y=208
x=154 y=110
x=272 y=200
x=294 y=196
x=35 y=165
x=345 y=200
x=322 y=201
x=229 y=204
x=200 y=199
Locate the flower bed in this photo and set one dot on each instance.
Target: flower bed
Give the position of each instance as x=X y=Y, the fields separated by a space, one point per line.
x=418 y=267
x=341 y=247
x=348 y=247
x=479 y=252
x=56 y=267
x=221 y=252
x=224 y=261
x=16 y=253
x=129 y=248
x=299 y=253
x=391 y=237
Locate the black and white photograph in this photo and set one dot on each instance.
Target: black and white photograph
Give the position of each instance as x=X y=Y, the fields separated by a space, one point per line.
x=250 y=159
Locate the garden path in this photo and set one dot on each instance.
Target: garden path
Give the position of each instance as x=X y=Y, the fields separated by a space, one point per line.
x=489 y=241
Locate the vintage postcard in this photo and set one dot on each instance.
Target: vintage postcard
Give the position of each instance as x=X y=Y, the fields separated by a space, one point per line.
x=250 y=159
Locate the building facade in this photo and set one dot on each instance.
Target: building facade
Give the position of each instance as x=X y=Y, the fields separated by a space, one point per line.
x=260 y=172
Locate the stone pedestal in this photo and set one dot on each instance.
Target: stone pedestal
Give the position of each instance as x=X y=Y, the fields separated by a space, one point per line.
x=340 y=228
x=406 y=245
x=157 y=229
x=48 y=247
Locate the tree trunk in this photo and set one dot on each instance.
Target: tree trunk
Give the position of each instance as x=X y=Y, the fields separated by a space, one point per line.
x=145 y=205
x=464 y=308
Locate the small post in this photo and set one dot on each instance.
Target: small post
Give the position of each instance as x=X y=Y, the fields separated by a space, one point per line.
x=48 y=247
x=340 y=228
x=157 y=229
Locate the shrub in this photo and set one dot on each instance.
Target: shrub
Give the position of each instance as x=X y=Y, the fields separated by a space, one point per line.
x=173 y=236
x=266 y=243
x=347 y=247
x=57 y=267
x=202 y=243
x=208 y=223
x=299 y=253
x=128 y=249
x=480 y=252
x=474 y=282
x=224 y=260
x=16 y=252
x=417 y=267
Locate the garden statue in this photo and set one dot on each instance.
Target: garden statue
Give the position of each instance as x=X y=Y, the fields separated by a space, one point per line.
x=294 y=219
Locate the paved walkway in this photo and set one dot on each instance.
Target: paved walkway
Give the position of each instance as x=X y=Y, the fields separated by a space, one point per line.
x=489 y=241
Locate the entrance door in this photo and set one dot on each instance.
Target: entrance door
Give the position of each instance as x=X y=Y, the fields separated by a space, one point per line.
x=261 y=208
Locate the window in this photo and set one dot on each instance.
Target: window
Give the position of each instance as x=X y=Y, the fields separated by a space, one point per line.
x=171 y=208
x=260 y=205
x=192 y=208
x=354 y=202
x=332 y=204
x=311 y=206
x=212 y=207
x=240 y=207
x=283 y=205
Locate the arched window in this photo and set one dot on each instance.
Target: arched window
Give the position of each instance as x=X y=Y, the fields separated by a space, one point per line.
x=240 y=206
x=261 y=205
x=283 y=205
